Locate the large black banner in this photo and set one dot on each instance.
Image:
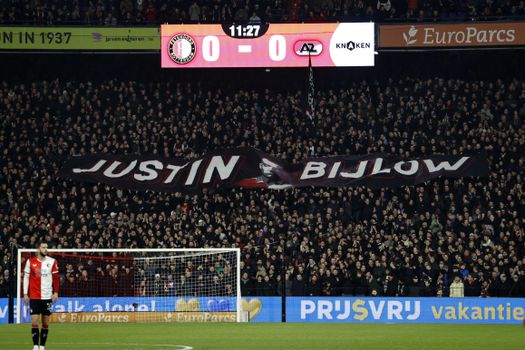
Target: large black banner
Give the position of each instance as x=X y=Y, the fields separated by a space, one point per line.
x=251 y=168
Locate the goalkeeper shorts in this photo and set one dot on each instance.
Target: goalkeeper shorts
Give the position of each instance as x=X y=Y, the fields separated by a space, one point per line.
x=40 y=307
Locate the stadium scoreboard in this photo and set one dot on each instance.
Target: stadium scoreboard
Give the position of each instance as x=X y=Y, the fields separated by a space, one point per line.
x=267 y=45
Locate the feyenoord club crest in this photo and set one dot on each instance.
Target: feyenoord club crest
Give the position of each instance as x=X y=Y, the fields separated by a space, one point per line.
x=182 y=48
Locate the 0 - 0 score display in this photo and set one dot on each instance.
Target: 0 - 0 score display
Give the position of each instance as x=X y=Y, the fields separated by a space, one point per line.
x=267 y=45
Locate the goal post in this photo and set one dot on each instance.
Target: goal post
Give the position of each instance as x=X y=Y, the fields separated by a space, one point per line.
x=142 y=285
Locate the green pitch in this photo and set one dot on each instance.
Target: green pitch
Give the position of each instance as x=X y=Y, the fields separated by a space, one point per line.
x=267 y=336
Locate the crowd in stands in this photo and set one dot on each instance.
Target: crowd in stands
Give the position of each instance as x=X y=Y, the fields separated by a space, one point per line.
x=152 y=12
x=88 y=274
x=408 y=241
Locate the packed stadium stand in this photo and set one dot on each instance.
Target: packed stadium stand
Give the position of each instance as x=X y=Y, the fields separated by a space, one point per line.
x=341 y=174
x=143 y=12
x=410 y=241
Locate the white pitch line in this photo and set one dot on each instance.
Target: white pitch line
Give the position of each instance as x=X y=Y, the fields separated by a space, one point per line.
x=245 y=48
x=177 y=347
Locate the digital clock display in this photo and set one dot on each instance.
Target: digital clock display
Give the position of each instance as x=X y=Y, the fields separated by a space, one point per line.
x=240 y=31
x=267 y=45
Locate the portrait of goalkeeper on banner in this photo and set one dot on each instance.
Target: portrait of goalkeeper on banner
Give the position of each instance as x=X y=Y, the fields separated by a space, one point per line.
x=267 y=179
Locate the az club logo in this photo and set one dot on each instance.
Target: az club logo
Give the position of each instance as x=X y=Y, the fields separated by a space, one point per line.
x=308 y=47
x=182 y=48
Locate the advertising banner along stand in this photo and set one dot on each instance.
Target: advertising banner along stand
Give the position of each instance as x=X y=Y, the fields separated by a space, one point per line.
x=447 y=35
x=80 y=38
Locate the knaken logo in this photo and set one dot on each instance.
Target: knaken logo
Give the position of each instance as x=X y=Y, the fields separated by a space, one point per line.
x=350 y=45
x=182 y=48
x=308 y=47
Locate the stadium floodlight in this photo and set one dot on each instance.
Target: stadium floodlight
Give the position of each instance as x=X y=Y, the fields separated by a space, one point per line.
x=143 y=285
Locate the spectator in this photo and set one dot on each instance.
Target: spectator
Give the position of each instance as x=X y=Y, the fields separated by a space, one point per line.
x=373 y=285
x=69 y=288
x=415 y=288
x=500 y=286
x=194 y=12
x=126 y=6
x=4 y=288
x=457 y=289
x=384 y=7
x=246 y=285
x=472 y=287
x=151 y=13
x=314 y=288
x=518 y=287
x=259 y=286
x=390 y=286
x=241 y=14
x=268 y=287
x=298 y=286
x=254 y=18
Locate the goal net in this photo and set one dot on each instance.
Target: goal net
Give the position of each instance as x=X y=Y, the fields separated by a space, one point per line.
x=142 y=285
